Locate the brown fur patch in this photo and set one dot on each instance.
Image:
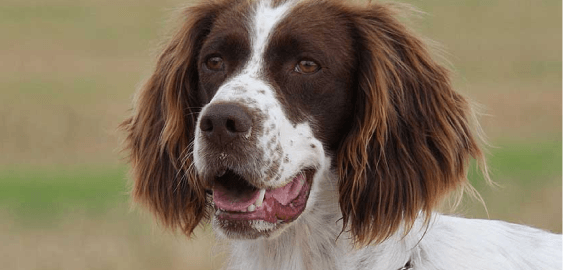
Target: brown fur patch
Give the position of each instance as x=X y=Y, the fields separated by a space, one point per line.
x=411 y=140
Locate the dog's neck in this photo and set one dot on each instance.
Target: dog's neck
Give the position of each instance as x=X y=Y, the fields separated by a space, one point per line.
x=315 y=242
x=303 y=246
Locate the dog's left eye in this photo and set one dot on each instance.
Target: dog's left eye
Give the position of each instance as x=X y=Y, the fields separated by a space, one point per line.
x=307 y=67
x=215 y=63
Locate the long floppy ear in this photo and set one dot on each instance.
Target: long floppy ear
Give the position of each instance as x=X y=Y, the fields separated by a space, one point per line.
x=161 y=130
x=411 y=141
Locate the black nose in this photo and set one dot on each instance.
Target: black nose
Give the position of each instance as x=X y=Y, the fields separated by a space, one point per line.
x=221 y=123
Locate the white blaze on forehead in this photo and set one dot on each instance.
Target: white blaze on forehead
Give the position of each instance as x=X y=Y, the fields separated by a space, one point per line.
x=265 y=21
x=262 y=25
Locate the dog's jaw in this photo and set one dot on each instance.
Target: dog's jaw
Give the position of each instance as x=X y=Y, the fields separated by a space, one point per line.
x=261 y=229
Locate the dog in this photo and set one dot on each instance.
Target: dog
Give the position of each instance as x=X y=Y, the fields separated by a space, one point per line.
x=315 y=134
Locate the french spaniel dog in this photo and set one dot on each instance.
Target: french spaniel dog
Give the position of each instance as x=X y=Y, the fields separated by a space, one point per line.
x=315 y=134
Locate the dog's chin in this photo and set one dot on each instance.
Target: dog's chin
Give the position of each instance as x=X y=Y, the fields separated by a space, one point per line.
x=252 y=213
x=248 y=229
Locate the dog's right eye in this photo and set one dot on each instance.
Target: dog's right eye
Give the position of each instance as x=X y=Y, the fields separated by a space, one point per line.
x=215 y=63
x=307 y=67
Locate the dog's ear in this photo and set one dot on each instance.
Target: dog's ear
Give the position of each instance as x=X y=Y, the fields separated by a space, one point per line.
x=411 y=139
x=159 y=134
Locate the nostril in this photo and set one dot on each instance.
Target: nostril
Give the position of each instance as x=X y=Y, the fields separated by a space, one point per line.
x=231 y=125
x=206 y=124
x=239 y=123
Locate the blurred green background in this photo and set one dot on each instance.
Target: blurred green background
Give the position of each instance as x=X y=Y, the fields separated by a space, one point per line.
x=69 y=68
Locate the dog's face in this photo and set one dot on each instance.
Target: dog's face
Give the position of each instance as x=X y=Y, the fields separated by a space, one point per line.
x=277 y=100
x=254 y=106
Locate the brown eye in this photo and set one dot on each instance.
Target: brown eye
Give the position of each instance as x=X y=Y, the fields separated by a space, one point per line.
x=307 y=67
x=215 y=63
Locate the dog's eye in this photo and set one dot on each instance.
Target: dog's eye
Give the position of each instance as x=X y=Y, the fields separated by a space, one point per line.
x=215 y=63
x=307 y=67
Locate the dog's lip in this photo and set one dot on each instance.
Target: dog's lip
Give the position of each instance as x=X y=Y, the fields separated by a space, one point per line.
x=282 y=204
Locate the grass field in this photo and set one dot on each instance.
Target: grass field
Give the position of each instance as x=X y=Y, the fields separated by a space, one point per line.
x=69 y=69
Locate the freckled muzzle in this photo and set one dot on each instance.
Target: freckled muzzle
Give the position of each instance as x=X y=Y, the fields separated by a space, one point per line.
x=247 y=185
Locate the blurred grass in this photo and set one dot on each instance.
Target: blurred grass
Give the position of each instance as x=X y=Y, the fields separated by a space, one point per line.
x=523 y=162
x=33 y=195
x=69 y=70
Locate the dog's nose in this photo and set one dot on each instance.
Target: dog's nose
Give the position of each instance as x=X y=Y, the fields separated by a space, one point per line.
x=221 y=123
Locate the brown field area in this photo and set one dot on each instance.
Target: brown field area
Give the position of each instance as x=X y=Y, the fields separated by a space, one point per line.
x=68 y=71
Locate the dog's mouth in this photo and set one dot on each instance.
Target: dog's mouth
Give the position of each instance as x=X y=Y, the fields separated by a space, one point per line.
x=236 y=199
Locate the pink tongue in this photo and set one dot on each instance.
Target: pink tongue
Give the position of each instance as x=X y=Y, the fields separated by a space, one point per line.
x=226 y=201
x=284 y=195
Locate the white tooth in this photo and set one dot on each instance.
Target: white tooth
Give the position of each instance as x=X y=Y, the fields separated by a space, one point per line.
x=243 y=210
x=260 y=199
x=217 y=212
x=251 y=208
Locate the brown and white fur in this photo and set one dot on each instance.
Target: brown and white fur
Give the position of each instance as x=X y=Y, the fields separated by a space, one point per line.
x=332 y=123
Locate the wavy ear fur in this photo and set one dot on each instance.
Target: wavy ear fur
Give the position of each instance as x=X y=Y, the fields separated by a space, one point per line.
x=160 y=132
x=411 y=140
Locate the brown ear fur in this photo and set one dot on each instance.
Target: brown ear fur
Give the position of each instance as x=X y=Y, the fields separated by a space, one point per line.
x=160 y=132
x=411 y=141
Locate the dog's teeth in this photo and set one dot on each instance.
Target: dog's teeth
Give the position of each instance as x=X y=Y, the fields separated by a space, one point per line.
x=251 y=208
x=260 y=199
x=243 y=210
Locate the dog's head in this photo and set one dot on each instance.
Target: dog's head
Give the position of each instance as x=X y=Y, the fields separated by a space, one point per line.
x=253 y=103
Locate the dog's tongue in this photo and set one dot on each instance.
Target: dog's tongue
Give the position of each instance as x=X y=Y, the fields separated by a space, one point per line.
x=240 y=202
x=284 y=195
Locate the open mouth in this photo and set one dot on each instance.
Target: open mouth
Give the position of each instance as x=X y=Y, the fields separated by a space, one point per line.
x=235 y=199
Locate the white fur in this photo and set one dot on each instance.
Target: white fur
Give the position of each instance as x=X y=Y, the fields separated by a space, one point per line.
x=266 y=18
